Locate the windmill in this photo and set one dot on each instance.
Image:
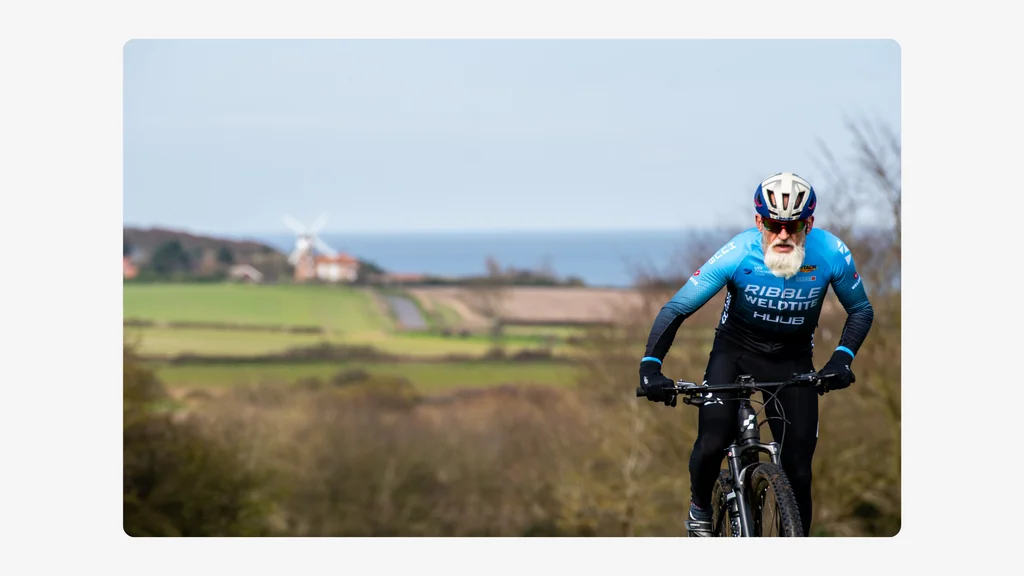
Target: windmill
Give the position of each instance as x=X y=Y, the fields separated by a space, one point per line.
x=306 y=239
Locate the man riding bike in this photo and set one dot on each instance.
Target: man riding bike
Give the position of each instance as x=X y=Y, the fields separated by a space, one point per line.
x=777 y=275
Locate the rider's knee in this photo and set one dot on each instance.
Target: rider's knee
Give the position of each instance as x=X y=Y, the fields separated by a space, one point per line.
x=712 y=443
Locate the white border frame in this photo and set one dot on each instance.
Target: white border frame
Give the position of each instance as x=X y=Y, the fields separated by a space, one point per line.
x=62 y=170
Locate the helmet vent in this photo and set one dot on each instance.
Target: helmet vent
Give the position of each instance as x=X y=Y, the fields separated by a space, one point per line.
x=797 y=197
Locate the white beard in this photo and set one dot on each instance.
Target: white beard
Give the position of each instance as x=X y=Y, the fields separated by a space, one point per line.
x=784 y=264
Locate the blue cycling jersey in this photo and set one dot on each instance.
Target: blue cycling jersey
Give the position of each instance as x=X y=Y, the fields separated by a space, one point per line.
x=766 y=313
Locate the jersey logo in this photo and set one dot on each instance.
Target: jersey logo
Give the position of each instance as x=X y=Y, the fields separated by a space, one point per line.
x=722 y=252
x=844 y=250
x=808 y=268
x=695 y=274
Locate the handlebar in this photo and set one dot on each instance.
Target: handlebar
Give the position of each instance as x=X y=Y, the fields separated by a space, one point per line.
x=744 y=385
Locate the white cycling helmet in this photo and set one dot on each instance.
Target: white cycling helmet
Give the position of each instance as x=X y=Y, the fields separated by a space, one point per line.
x=785 y=196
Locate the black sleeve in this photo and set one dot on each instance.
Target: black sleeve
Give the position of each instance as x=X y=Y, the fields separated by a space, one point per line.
x=663 y=332
x=707 y=281
x=855 y=330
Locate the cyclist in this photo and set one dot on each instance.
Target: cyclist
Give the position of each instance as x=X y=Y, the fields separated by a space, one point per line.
x=777 y=275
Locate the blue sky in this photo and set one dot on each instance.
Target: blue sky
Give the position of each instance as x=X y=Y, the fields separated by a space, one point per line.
x=223 y=137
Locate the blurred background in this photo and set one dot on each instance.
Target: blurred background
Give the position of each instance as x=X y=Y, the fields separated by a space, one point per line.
x=401 y=288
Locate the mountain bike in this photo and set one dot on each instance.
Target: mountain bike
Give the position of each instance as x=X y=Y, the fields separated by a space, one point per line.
x=744 y=494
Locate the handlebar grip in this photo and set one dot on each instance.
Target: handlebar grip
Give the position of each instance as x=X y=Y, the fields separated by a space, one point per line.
x=640 y=392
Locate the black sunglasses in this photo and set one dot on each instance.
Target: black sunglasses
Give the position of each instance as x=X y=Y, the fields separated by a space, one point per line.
x=774 y=226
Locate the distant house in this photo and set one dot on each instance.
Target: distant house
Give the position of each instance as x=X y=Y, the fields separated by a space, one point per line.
x=130 y=270
x=339 y=268
x=245 y=273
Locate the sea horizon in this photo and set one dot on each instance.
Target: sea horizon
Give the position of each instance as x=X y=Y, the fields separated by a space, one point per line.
x=600 y=258
x=610 y=258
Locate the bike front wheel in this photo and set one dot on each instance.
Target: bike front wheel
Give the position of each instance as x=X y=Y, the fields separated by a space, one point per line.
x=721 y=524
x=773 y=508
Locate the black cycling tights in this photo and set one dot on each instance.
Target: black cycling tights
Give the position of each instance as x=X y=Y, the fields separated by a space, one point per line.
x=717 y=422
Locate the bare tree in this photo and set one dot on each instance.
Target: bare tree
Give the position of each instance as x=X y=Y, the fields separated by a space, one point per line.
x=858 y=483
x=487 y=296
x=869 y=188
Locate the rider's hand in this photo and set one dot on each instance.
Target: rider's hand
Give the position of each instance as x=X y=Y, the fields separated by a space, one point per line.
x=654 y=382
x=838 y=371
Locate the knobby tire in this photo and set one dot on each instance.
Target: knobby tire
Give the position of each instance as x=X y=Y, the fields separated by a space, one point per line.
x=767 y=478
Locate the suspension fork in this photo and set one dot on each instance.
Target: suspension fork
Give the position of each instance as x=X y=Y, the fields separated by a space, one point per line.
x=736 y=470
x=742 y=455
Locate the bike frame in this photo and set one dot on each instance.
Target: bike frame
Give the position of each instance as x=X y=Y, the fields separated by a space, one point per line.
x=743 y=453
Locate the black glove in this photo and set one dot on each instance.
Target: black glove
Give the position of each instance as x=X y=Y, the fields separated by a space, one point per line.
x=654 y=382
x=838 y=371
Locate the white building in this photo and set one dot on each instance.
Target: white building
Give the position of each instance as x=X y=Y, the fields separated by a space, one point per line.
x=340 y=268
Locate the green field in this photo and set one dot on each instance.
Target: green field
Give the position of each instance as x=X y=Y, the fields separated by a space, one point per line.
x=544 y=331
x=174 y=341
x=340 y=309
x=349 y=316
x=426 y=377
x=446 y=316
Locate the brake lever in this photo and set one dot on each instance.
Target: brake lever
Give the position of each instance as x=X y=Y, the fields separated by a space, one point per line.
x=821 y=385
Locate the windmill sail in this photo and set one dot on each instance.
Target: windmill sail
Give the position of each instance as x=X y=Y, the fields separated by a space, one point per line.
x=306 y=238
